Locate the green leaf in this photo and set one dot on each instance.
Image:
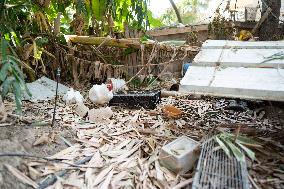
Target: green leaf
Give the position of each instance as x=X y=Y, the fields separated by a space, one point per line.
x=7 y=36
x=4 y=47
x=6 y=85
x=41 y=41
x=236 y=151
x=154 y=22
x=16 y=70
x=249 y=152
x=18 y=98
x=4 y=71
x=223 y=146
x=243 y=140
x=15 y=38
x=99 y=9
x=144 y=38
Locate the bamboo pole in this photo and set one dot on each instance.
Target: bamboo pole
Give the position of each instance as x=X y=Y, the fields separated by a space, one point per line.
x=125 y=43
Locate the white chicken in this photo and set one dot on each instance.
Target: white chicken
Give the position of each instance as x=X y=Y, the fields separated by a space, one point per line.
x=100 y=94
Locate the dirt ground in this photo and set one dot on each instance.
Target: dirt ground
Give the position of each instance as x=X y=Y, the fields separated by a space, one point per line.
x=19 y=138
x=267 y=171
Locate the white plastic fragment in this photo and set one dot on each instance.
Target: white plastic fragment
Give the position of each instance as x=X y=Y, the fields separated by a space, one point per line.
x=179 y=155
x=73 y=97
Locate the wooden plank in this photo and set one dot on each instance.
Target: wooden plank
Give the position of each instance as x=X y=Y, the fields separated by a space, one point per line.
x=133 y=55
x=171 y=31
x=248 y=83
x=238 y=58
x=223 y=44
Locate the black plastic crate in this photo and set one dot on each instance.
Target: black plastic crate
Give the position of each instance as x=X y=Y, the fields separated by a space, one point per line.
x=135 y=99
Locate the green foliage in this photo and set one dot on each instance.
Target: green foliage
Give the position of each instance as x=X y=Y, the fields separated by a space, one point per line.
x=26 y=32
x=149 y=83
x=237 y=145
x=99 y=9
x=154 y=22
x=133 y=12
x=145 y=38
x=220 y=28
x=11 y=76
x=188 y=10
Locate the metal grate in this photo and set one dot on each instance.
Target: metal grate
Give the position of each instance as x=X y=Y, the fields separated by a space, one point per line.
x=215 y=170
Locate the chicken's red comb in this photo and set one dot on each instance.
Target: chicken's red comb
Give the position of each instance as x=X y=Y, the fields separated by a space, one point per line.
x=109 y=86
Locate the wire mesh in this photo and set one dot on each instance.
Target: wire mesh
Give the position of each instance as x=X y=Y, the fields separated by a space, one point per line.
x=215 y=170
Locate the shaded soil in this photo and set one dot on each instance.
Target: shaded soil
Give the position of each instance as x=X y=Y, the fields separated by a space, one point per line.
x=20 y=139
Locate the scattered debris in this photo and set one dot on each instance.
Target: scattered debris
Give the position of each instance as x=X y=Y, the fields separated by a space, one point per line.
x=96 y=115
x=122 y=150
x=179 y=155
x=237 y=105
x=172 y=112
x=245 y=35
x=165 y=94
x=100 y=94
x=73 y=97
x=3 y=114
x=45 y=139
x=22 y=177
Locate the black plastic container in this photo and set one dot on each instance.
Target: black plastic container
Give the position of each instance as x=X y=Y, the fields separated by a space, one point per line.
x=136 y=99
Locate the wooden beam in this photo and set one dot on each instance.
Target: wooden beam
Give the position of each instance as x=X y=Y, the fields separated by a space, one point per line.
x=171 y=31
x=121 y=43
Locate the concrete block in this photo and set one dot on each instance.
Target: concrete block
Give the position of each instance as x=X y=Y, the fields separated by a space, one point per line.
x=81 y=109
x=179 y=155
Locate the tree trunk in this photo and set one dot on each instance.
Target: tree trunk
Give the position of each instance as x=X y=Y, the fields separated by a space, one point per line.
x=269 y=28
x=176 y=11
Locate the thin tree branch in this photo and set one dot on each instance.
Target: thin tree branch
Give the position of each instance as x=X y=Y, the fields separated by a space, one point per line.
x=176 y=11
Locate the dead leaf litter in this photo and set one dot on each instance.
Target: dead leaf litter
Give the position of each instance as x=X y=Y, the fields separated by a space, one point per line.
x=123 y=144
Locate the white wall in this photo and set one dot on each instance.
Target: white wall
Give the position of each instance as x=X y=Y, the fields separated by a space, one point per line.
x=241 y=4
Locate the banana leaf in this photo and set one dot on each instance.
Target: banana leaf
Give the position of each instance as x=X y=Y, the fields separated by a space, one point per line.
x=244 y=140
x=223 y=146
x=249 y=153
x=235 y=150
